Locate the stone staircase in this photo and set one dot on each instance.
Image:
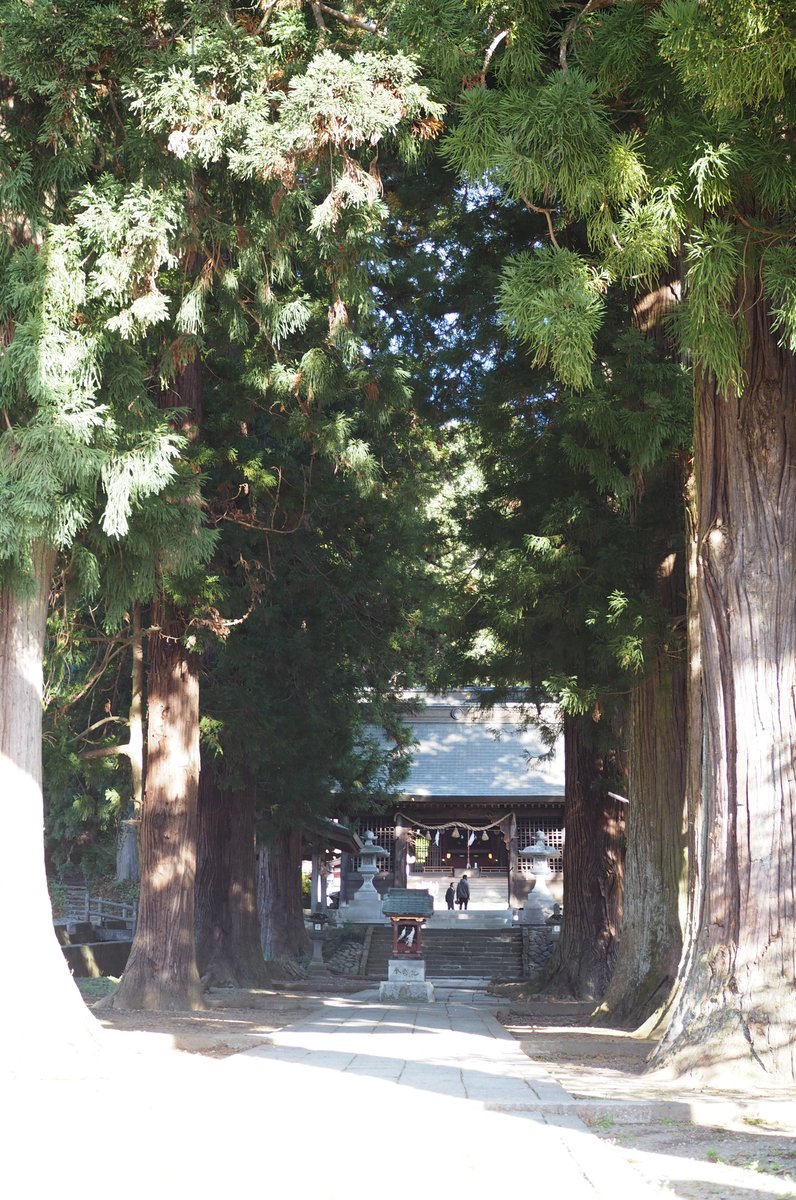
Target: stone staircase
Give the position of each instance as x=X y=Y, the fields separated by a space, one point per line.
x=487 y=892
x=464 y=953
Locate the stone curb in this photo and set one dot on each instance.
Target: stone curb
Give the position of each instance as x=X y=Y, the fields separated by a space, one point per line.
x=645 y=1112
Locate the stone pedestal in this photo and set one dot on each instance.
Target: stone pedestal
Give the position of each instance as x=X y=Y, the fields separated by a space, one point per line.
x=539 y=903
x=364 y=908
x=406 y=981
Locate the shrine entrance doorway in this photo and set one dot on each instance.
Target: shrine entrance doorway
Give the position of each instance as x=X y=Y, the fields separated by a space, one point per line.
x=425 y=851
x=457 y=848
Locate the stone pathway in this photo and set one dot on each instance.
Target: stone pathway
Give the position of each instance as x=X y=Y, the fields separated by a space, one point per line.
x=427 y=1099
x=358 y=1100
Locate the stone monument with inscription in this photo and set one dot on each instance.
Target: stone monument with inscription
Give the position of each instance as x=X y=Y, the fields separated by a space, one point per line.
x=408 y=910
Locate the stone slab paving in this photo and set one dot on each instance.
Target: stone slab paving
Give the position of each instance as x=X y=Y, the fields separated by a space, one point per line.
x=357 y=1101
x=421 y=1099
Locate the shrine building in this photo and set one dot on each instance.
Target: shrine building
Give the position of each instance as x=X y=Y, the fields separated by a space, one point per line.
x=481 y=784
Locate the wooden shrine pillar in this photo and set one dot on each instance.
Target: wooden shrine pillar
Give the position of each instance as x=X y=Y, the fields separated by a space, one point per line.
x=508 y=829
x=345 y=880
x=317 y=901
x=401 y=851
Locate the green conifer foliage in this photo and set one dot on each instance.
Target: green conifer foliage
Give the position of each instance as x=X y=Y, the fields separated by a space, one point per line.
x=162 y=165
x=71 y=450
x=564 y=515
x=667 y=129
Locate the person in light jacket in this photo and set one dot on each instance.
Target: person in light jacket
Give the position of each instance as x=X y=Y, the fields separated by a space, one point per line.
x=463 y=893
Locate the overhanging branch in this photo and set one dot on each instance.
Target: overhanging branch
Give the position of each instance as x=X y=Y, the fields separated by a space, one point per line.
x=504 y=33
x=535 y=208
x=355 y=22
x=107 y=752
x=591 y=6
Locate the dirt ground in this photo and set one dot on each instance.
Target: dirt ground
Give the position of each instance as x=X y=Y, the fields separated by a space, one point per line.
x=234 y=1021
x=698 y=1142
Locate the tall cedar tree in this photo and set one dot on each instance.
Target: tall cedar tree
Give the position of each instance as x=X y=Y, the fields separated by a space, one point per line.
x=567 y=594
x=80 y=437
x=259 y=170
x=337 y=625
x=258 y=165
x=98 y=245
x=560 y=560
x=667 y=128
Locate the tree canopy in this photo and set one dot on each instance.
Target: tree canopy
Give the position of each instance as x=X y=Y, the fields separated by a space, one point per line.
x=307 y=310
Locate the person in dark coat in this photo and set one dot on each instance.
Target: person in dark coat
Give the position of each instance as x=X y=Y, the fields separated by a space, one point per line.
x=449 y=896
x=463 y=893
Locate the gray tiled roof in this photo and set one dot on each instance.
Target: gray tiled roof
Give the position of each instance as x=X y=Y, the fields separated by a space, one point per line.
x=461 y=751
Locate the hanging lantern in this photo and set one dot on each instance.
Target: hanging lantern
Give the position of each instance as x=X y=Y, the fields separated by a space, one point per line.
x=455 y=833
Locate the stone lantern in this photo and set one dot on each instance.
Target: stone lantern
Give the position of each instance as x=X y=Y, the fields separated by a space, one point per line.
x=540 y=902
x=317 y=922
x=365 y=904
x=555 y=919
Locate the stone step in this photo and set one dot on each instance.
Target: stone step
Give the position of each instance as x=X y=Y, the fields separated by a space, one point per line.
x=488 y=893
x=465 y=940
x=466 y=953
x=474 y=917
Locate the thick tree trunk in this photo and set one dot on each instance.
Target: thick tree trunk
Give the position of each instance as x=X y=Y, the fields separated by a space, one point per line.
x=161 y=972
x=593 y=868
x=651 y=940
x=695 y=743
x=228 y=946
x=128 y=866
x=48 y=1029
x=651 y=937
x=737 y=997
x=127 y=858
x=279 y=897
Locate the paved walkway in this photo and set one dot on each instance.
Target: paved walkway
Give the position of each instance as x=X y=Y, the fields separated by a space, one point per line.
x=358 y=1101
x=429 y=1100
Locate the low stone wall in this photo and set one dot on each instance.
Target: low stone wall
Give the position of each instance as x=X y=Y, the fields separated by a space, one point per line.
x=74 y=933
x=91 y=960
x=346 y=959
x=538 y=943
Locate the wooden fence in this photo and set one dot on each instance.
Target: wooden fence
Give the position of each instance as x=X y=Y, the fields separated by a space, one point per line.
x=79 y=905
